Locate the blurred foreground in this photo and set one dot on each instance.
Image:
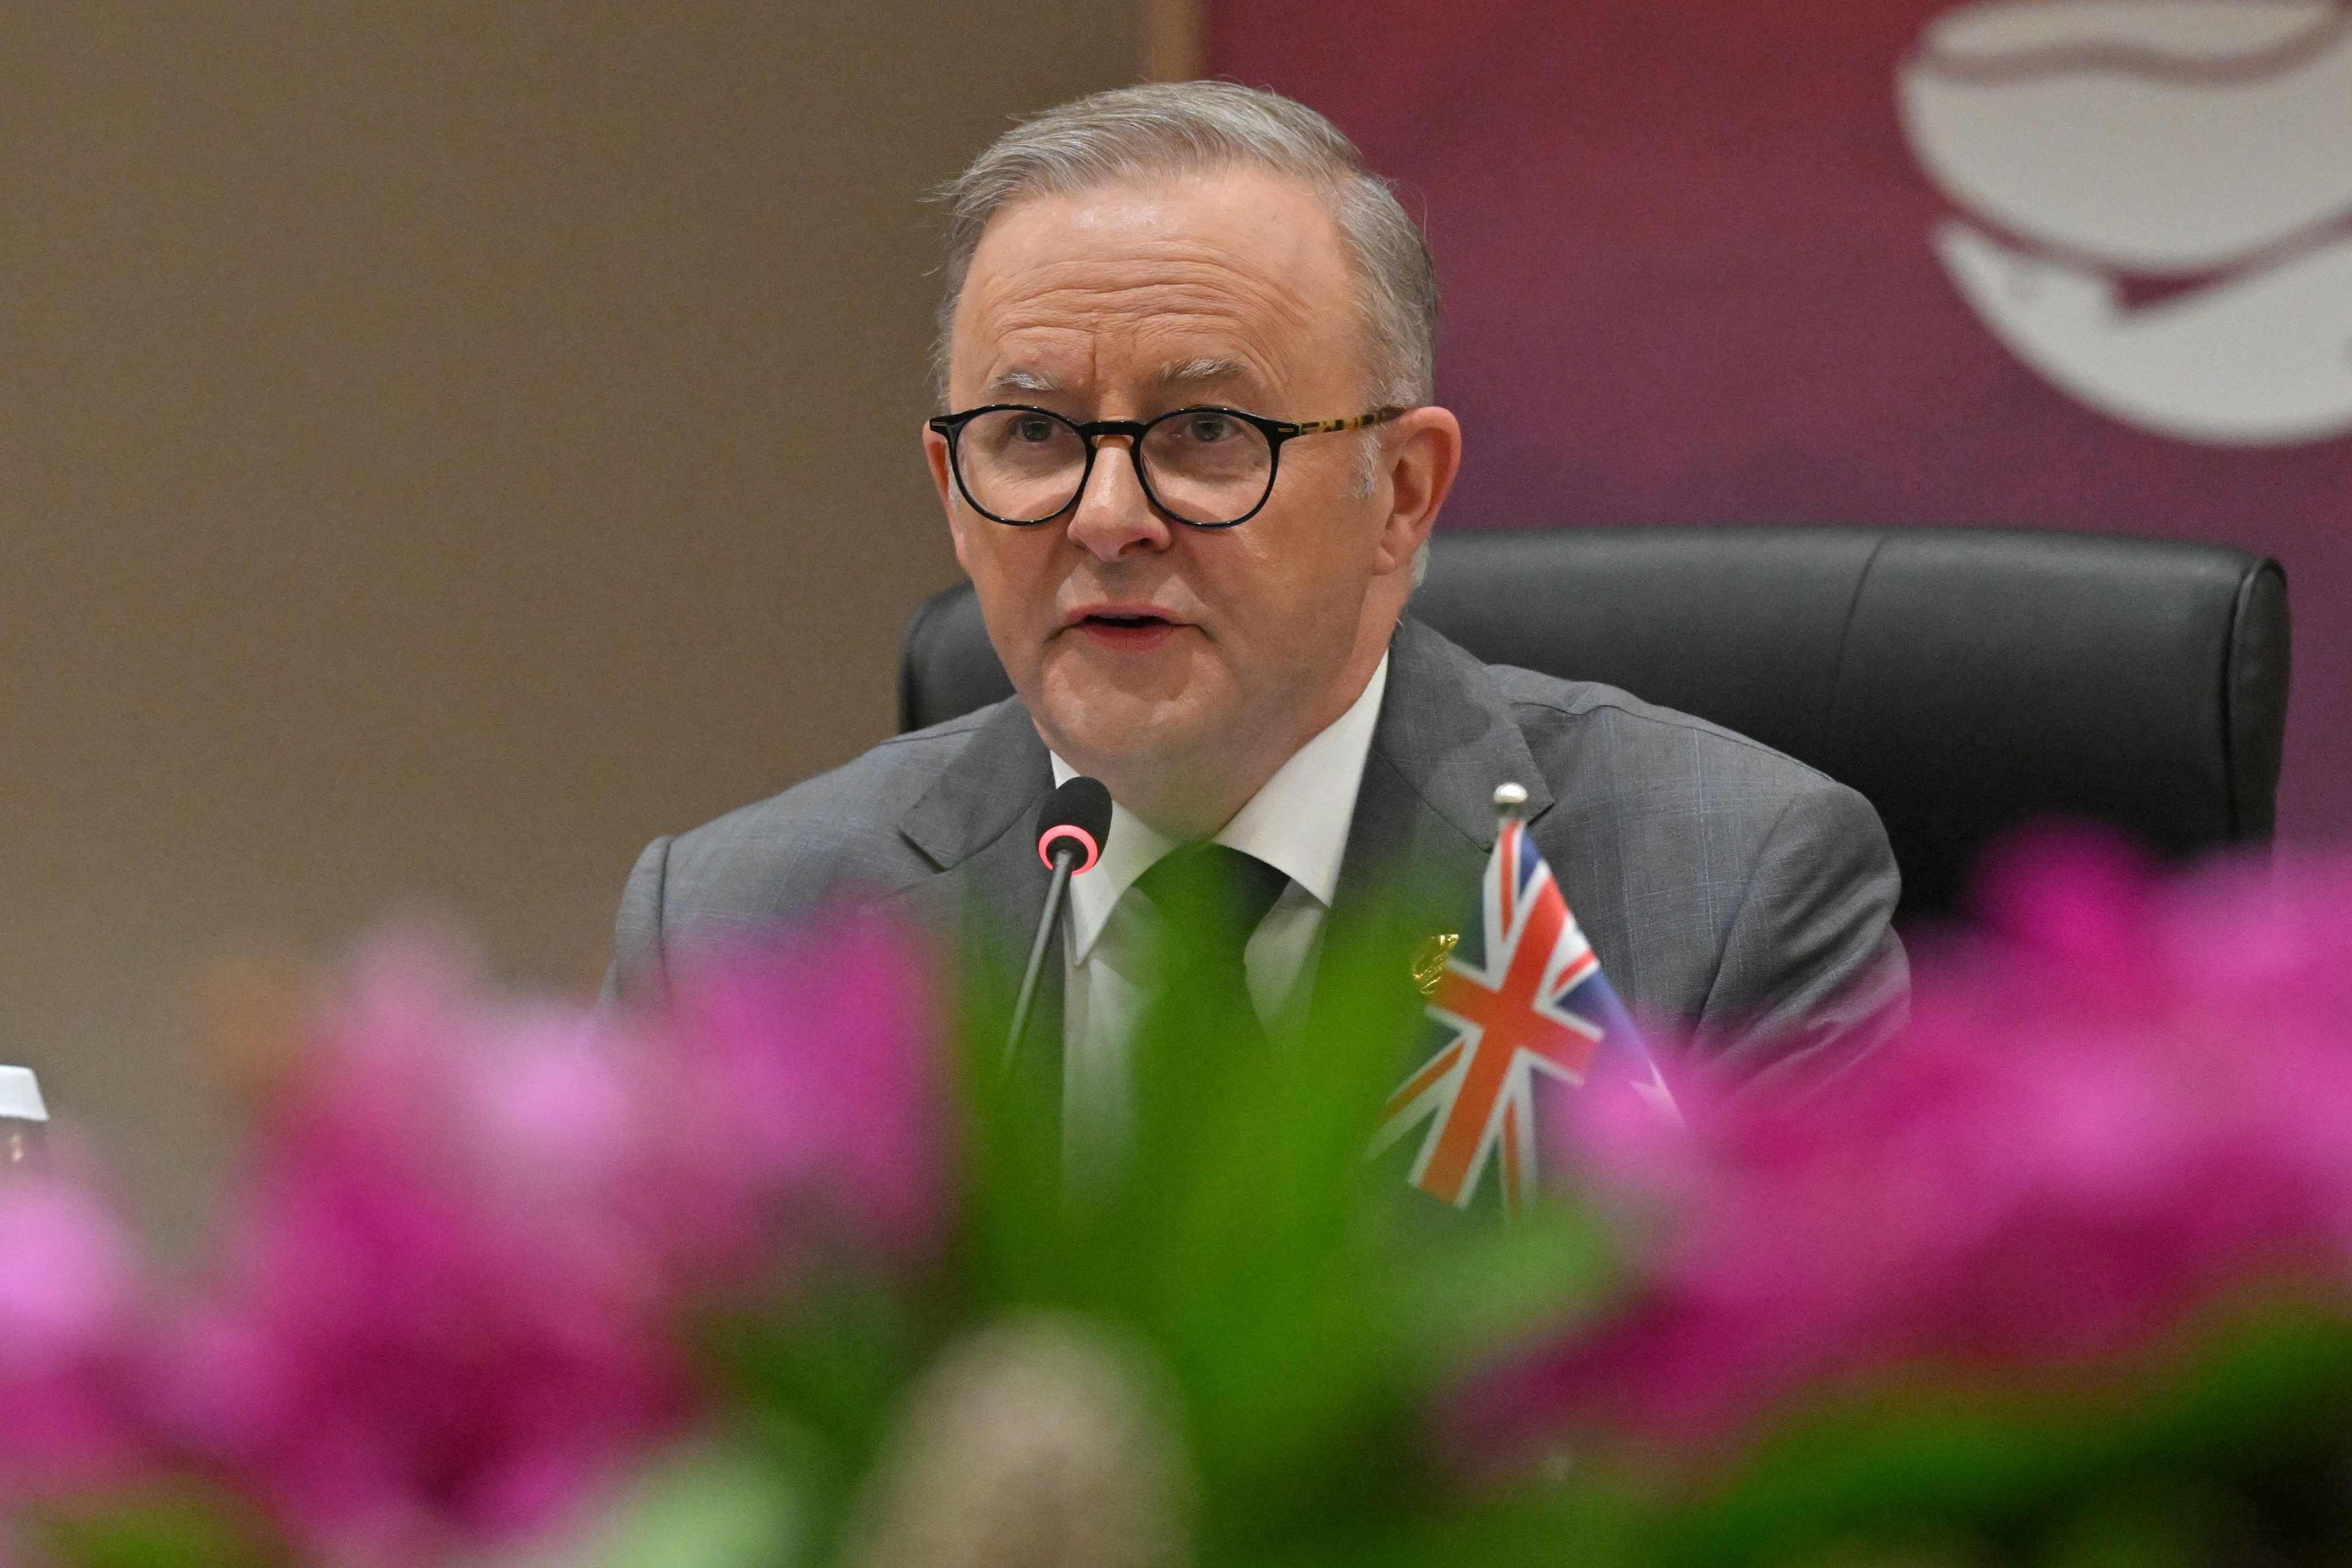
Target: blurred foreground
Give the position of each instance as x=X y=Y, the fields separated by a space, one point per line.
x=783 y=1273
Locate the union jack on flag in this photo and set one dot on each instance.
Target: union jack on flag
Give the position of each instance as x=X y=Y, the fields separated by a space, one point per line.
x=1537 y=1003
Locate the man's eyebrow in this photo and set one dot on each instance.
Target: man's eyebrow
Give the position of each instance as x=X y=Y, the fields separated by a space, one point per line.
x=1030 y=381
x=1192 y=371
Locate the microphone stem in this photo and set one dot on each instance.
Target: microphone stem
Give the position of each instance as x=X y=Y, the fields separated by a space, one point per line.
x=1066 y=855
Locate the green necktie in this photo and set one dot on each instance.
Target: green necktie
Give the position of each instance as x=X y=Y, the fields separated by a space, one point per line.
x=1211 y=898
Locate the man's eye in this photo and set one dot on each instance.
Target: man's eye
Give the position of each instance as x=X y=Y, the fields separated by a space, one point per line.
x=1209 y=428
x=1034 y=430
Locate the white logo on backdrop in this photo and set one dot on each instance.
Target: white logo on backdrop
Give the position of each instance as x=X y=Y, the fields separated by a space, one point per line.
x=2201 y=149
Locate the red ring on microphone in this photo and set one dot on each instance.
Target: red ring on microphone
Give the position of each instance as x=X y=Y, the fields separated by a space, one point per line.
x=1067 y=830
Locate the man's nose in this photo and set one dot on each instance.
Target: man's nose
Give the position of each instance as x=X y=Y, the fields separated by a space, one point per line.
x=1113 y=519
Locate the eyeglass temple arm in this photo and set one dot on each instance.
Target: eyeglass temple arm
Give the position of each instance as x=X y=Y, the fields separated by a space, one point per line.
x=1319 y=427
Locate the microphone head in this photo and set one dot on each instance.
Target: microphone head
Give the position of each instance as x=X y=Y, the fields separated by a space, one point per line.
x=1078 y=814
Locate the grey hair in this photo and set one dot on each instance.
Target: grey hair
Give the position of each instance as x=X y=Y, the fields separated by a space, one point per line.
x=1192 y=127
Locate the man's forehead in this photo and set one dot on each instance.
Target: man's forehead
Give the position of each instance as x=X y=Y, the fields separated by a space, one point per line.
x=1181 y=281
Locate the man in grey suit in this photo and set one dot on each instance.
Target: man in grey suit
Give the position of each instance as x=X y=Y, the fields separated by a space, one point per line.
x=1191 y=468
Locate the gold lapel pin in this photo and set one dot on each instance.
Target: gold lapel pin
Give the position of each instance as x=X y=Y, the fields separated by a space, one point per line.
x=1428 y=965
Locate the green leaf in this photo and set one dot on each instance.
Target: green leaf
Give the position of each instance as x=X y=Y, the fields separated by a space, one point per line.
x=174 y=1526
x=2249 y=1419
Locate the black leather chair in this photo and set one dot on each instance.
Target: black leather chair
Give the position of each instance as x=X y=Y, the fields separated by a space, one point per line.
x=1967 y=680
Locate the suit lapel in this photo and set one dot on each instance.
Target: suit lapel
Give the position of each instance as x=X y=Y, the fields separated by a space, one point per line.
x=997 y=778
x=990 y=889
x=1424 y=819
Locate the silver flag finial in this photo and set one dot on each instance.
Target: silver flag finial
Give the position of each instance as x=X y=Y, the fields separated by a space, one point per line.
x=1510 y=799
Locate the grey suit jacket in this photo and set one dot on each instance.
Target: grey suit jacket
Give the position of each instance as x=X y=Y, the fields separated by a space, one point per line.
x=1724 y=885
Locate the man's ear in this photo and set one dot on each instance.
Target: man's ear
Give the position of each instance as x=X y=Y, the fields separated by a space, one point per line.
x=1420 y=457
x=935 y=453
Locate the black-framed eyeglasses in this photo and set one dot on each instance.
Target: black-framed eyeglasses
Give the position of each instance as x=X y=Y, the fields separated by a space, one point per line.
x=1209 y=468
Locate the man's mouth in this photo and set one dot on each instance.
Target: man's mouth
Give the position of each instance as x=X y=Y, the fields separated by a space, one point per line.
x=1130 y=633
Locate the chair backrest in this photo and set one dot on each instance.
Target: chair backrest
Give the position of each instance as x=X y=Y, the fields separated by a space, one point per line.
x=1966 y=680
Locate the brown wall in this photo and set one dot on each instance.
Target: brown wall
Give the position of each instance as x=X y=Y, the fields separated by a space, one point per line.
x=442 y=445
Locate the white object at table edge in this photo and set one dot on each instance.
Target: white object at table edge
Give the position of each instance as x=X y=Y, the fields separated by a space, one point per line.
x=20 y=1095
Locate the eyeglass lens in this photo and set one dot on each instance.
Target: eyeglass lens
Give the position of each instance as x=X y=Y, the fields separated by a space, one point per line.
x=1201 y=466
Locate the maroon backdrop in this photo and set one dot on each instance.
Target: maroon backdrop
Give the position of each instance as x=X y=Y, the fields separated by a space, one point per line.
x=1685 y=251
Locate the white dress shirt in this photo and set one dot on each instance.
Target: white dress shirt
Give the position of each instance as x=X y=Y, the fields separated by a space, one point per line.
x=1296 y=823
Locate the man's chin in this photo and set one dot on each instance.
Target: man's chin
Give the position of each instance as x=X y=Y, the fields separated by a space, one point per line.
x=1084 y=670
x=1100 y=721
x=1109 y=731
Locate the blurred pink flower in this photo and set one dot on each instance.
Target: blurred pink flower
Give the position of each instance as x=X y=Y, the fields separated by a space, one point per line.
x=2130 y=1095
x=447 y=1295
x=818 y=1098
x=70 y=1300
x=421 y=1331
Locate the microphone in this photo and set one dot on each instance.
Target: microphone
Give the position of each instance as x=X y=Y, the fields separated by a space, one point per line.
x=1071 y=827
